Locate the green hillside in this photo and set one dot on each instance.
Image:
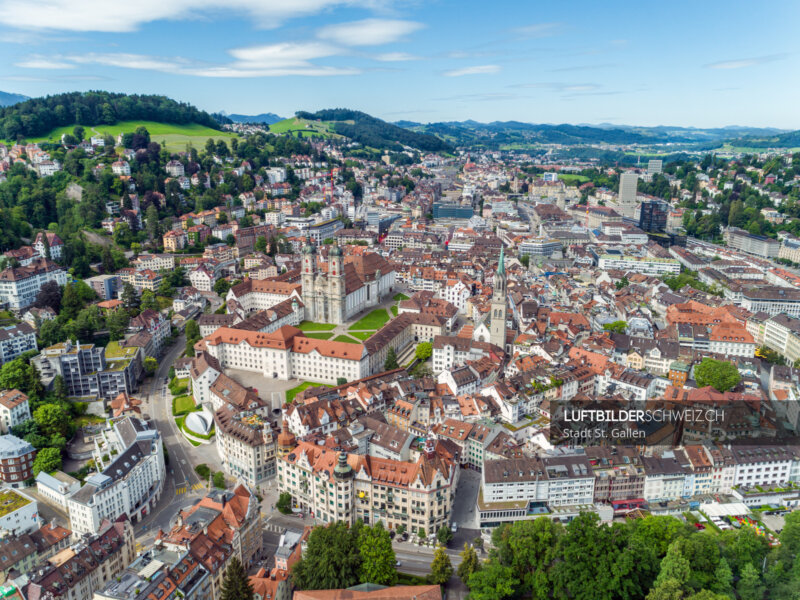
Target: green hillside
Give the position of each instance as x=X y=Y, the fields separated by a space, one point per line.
x=295 y=126
x=173 y=136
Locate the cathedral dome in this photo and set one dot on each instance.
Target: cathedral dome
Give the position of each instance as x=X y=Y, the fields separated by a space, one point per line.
x=335 y=250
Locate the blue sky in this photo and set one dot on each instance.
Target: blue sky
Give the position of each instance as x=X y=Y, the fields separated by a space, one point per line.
x=703 y=63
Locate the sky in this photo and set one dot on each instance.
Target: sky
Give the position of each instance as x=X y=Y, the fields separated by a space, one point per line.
x=702 y=63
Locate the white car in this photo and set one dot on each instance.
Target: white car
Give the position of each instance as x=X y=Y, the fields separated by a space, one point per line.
x=455 y=527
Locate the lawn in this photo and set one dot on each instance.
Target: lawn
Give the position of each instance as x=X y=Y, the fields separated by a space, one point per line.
x=568 y=178
x=312 y=326
x=294 y=126
x=362 y=335
x=374 y=320
x=182 y=405
x=400 y=297
x=173 y=136
x=347 y=339
x=325 y=335
x=290 y=394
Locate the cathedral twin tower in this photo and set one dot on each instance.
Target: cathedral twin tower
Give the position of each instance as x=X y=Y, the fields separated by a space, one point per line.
x=324 y=294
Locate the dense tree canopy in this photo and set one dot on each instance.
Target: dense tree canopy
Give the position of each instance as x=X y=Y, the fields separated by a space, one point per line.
x=37 y=116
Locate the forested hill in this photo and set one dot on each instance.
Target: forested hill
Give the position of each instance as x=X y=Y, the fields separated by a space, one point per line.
x=370 y=131
x=38 y=116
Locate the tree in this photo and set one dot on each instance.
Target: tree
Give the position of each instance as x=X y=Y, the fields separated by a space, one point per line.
x=116 y=323
x=469 y=563
x=493 y=582
x=150 y=366
x=49 y=296
x=616 y=327
x=444 y=535
x=441 y=568
x=149 y=301
x=622 y=283
x=719 y=374
x=52 y=419
x=235 y=585
x=391 y=360
x=219 y=480
x=674 y=566
x=424 y=351
x=750 y=586
x=60 y=390
x=377 y=556
x=71 y=301
x=47 y=460
x=525 y=259
x=331 y=559
x=16 y=374
x=192 y=330
x=130 y=299
x=723 y=577
x=284 y=503
x=107 y=260
x=221 y=287
x=153 y=226
x=261 y=244
x=341 y=380
x=421 y=533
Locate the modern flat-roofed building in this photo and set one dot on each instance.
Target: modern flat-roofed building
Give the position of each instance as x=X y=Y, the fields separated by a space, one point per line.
x=759 y=245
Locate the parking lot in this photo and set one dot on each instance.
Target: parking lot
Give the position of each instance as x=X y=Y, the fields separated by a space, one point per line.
x=773 y=522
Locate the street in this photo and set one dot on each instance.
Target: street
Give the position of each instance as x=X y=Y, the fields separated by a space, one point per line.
x=182 y=485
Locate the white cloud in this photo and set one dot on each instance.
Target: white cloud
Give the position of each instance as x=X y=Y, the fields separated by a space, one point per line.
x=538 y=30
x=122 y=16
x=42 y=62
x=396 y=57
x=476 y=70
x=283 y=55
x=261 y=61
x=368 y=32
x=745 y=62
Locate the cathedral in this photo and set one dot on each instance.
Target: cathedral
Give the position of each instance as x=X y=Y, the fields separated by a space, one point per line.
x=343 y=289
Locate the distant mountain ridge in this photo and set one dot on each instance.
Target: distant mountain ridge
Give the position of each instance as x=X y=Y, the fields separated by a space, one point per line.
x=268 y=118
x=7 y=98
x=497 y=133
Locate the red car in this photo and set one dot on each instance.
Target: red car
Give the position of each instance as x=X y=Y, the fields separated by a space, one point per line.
x=700 y=526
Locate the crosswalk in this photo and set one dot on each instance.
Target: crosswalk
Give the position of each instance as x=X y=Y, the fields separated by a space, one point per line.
x=184 y=489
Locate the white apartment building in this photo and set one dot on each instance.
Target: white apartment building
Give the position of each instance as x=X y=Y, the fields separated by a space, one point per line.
x=130 y=481
x=645 y=265
x=16 y=340
x=665 y=477
x=19 y=286
x=155 y=262
x=258 y=294
x=525 y=488
x=56 y=488
x=287 y=354
x=762 y=465
x=772 y=300
x=19 y=513
x=782 y=334
x=14 y=409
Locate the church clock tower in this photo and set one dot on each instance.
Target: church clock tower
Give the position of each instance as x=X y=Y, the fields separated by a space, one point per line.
x=497 y=327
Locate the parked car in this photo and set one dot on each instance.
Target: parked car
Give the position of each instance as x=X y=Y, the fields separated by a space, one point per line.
x=700 y=526
x=455 y=527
